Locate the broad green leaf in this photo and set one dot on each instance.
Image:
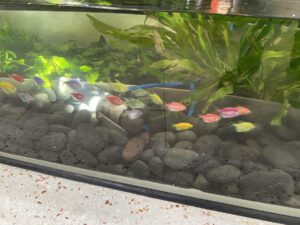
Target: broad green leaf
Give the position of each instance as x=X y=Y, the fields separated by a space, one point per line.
x=85 y=68
x=91 y=78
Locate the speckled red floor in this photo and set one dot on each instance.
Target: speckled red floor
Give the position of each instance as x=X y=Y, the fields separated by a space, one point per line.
x=32 y=198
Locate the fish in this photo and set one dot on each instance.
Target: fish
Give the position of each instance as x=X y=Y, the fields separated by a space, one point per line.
x=134 y=114
x=38 y=80
x=74 y=83
x=229 y=112
x=27 y=98
x=182 y=126
x=119 y=87
x=156 y=99
x=135 y=104
x=7 y=87
x=139 y=93
x=210 y=118
x=17 y=77
x=77 y=96
x=175 y=107
x=243 y=127
x=243 y=110
x=115 y=100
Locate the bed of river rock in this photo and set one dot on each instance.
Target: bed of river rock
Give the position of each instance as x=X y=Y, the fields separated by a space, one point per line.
x=261 y=166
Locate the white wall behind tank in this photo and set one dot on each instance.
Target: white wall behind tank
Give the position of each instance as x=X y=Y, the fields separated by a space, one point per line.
x=58 y=27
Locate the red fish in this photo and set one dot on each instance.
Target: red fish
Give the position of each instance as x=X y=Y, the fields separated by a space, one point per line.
x=229 y=112
x=115 y=100
x=78 y=96
x=210 y=118
x=175 y=107
x=17 y=77
x=243 y=110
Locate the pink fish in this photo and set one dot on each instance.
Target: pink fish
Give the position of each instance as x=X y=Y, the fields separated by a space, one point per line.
x=17 y=77
x=229 y=112
x=210 y=118
x=115 y=100
x=243 y=110
x=175 y=107
x=78 y=96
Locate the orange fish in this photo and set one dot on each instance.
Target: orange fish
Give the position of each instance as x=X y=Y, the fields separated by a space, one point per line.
x=115 y=100
x=210 y=118
x=17 y=77
x=78 y=96
x=243 y=110
x=175 y=107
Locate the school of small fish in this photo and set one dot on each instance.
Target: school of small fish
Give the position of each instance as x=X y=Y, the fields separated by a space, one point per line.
x=134 y=105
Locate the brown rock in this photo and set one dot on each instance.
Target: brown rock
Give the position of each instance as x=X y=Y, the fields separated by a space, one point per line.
x=135 y=146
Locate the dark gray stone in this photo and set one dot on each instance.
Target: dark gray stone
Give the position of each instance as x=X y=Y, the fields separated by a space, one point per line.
x=240 y=152
x=186 y=136
x=89 y=138
x=35 y=128
x=140 y=169
x=59 y=128
x=284 y=133
x=82 y=116
x=179 y=159
x=85 y=158
x=265 y=139
x=160 y=147
x=168 y=135
x=259 y=185
x=224 y=174
x=207 y=166
x=293 y=201
x=147 y=155
x=118 y=137
x=229 y=188
x=53 y=141
x=134 y=127
x=67 y=158
x=201 y=182
x=110 y=155
x=184 y=145
x=181 y=178
x=156 y=166
x=49 y=156
x=282 y=157
x=207 y=145
x=12 y=133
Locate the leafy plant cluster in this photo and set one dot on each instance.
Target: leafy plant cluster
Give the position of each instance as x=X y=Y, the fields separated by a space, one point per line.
x=257 y=58
x=25 y=54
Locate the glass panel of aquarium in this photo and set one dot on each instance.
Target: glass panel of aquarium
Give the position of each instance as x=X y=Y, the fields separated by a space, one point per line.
x=196 y=105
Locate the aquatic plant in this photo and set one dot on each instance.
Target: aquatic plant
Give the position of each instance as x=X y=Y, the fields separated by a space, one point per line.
x=9 y=62
x=225 y=55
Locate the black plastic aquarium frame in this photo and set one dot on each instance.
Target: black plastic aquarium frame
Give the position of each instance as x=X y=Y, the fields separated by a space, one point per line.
x=285 y=9
x=216 y=206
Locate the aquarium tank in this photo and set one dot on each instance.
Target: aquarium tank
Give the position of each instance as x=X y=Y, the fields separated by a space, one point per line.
x=193 y=101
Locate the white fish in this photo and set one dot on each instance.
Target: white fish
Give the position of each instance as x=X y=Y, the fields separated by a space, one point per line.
x=134 y=114
x=69 y=108
x=25 y=97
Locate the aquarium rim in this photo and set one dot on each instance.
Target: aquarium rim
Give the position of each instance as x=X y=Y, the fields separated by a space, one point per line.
x=51 y=169
x=127 y=10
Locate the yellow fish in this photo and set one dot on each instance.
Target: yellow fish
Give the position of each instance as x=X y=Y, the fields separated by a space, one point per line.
x=156 y=99
x=182 y=126
x=7 y=88
x=119 y=87
x=243 y=127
